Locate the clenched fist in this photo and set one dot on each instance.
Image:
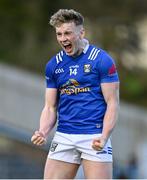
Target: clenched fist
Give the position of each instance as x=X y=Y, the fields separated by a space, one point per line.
x=38 y=138
x=98 y=143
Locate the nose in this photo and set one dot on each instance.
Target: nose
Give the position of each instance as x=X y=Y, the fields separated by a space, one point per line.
x=62 y=38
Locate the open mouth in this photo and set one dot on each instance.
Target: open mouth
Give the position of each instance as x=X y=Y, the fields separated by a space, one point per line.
x=68 y=48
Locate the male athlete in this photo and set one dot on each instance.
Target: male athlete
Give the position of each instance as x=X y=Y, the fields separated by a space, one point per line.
x=82 y=89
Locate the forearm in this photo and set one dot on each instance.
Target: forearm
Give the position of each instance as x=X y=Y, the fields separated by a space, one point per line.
x=47 y=120
x=110 y=119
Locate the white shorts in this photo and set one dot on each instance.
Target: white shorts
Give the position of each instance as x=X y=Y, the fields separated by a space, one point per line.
x=73 y=148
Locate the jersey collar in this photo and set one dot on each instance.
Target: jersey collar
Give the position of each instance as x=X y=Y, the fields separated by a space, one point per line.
x=87 y=46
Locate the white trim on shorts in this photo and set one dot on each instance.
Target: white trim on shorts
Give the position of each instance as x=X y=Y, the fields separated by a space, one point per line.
x=73 y=148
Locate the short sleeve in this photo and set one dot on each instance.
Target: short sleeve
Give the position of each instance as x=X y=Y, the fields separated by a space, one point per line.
x=107 y=69
x=49 y=76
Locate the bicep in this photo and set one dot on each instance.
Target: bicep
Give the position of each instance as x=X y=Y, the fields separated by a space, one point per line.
x=51 y=97
x=110 y=91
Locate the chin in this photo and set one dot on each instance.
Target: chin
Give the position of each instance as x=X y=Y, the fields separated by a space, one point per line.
x=70 y=54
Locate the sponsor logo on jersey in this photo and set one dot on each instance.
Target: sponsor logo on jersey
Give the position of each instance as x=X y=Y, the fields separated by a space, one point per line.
x=98 y=125
x=87 y=68
x=71 y=87
x=58 y=71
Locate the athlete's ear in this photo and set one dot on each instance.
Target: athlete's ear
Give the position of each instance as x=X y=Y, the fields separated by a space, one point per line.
x=82 y=33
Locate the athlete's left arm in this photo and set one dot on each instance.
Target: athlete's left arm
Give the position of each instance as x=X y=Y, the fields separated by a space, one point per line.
x=111 y=95
x=110 y=90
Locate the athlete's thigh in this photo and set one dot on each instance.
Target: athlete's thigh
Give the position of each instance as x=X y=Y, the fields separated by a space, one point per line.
x=55 y=169
x=97 y=170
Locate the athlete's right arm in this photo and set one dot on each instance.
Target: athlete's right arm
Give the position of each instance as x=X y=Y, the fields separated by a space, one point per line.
x=48 y=117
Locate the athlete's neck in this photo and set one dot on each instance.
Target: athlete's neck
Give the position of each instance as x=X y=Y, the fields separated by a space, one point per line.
x=82 y=45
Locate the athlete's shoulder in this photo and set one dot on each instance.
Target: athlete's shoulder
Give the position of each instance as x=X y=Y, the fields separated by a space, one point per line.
x=94 y=52
x=105 y=55
x=98 y=54
x=55 y=60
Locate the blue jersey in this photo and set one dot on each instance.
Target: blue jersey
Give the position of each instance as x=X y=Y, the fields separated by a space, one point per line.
x=81 y=105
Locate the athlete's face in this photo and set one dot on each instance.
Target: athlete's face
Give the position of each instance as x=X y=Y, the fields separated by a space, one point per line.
x=70 y=36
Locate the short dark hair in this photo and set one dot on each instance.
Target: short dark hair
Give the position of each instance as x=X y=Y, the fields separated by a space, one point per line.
x=65 y=16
